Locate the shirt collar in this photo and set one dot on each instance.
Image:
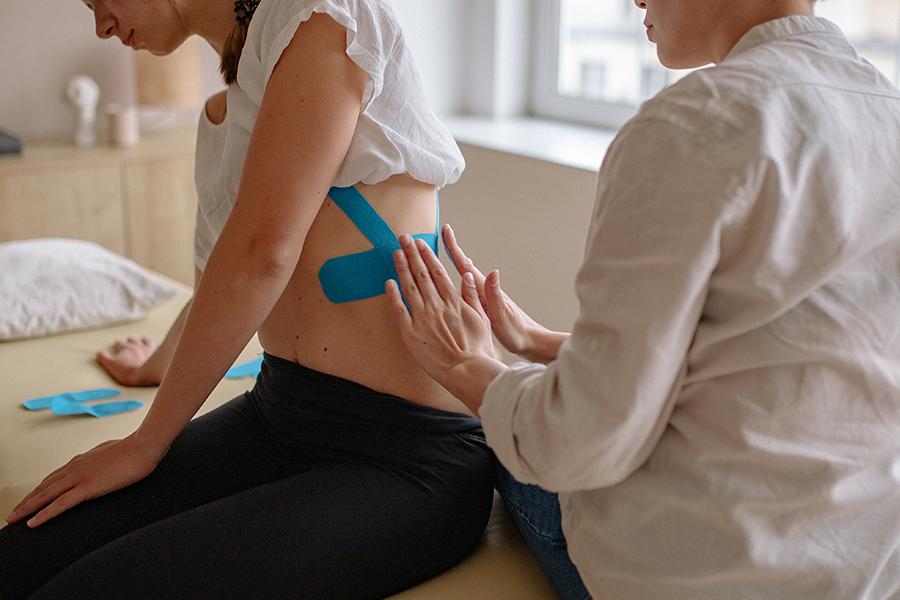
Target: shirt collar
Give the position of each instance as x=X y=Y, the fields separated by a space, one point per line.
x=782 y=28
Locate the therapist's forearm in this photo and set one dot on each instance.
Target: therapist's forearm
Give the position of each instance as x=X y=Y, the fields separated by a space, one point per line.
x=544 y=345
x=237 y=293
x=469 y=379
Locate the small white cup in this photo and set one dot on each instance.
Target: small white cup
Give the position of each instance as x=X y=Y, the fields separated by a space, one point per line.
x=124 y=123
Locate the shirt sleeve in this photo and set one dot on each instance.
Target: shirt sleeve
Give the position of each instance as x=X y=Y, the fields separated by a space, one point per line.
x=203 y=240
x=371 y=33
x=592 y=417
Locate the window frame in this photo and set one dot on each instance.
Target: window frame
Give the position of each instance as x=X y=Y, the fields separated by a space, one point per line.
x=546 y=102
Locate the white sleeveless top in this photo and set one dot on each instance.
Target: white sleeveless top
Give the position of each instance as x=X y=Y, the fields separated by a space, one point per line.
x=396 y=132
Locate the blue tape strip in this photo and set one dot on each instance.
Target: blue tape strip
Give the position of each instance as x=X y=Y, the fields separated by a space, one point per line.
x=247 y=369
x=62 y=406
x=46 y=402
x=363 y=275
x=361 y=213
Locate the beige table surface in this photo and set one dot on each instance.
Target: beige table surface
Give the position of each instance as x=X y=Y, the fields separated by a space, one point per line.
x=32 y=444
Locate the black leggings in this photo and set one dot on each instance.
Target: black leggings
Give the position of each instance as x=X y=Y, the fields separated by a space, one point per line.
x=308 y=486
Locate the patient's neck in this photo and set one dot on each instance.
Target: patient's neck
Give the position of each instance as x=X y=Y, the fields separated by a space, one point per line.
x=213 y=20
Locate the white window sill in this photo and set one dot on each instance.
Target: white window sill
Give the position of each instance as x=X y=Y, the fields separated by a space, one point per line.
x=576 y=146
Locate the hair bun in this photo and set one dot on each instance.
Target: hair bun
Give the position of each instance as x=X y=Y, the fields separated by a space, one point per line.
x=244 y=9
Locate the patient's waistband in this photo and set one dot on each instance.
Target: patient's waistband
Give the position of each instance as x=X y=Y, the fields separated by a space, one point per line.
x=323 y=396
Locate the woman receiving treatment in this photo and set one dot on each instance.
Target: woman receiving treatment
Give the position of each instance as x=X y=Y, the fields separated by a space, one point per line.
x=724 y=419
x=346 y=472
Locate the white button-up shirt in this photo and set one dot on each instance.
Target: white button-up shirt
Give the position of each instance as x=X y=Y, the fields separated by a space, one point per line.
x=725 y=420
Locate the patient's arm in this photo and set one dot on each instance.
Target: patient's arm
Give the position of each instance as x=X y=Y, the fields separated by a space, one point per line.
x=251 y=263
x=139 y=362
x=518 y=332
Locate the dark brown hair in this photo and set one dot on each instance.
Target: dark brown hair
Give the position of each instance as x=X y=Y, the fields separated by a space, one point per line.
x=231 y=51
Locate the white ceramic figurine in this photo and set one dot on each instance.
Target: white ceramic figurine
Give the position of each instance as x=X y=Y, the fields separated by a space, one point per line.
x=84 y=93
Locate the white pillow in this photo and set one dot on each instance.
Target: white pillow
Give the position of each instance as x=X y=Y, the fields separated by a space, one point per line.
x=52 y=286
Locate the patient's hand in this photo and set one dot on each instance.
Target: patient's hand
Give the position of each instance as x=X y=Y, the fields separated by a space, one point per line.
x=108 y=467
x=129 y=363
x=517 y=331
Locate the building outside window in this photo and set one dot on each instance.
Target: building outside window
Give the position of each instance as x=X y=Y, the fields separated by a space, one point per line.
x=595 y=65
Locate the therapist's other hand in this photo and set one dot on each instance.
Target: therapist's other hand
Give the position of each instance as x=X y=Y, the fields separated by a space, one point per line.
x=446 y=331
x=108 y=467
x=514 y=328
x=128 y=363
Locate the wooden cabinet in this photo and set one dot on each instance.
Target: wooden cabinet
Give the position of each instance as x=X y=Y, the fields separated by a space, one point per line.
x=139 y=202
x=160 y=210
x=66 y=202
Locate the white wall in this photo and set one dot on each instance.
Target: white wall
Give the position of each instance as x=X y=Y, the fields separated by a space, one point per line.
x=500 y=59
x=528 y=218
x=438 y=32
x=44 y=42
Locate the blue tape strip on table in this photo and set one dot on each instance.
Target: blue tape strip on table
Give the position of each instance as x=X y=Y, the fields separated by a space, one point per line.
x=46 y=402
x=247 y=369
x=61 y=406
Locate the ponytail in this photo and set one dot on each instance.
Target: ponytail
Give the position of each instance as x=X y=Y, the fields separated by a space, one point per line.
x=231 y=52
x=234 y=44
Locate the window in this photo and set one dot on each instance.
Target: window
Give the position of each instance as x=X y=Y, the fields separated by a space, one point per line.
x=595 y=65
x=873 y=26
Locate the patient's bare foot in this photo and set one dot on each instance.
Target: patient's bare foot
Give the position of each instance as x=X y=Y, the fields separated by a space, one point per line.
x=127 y=363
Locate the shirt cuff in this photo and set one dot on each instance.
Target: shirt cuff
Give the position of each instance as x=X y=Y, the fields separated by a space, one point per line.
x=498 y=413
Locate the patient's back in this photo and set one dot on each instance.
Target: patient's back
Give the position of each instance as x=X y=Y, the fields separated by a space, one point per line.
x=357 y=340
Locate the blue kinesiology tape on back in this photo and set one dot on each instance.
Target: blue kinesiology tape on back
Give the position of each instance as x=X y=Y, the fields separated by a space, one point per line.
x=363 y=275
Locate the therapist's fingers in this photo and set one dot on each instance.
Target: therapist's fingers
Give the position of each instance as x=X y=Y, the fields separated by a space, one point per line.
x=407 y=282
x=470 y=295
x=401 y=313
x=439 y=275
x=420 y=271
x=493 y=292
x=462 y=262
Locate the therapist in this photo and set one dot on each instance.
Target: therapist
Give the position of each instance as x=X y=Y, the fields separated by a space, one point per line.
x=724 y=421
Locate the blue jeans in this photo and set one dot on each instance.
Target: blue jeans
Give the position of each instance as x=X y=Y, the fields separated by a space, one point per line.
x=537 y=514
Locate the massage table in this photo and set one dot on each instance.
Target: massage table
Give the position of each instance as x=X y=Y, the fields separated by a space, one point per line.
x=32 y=444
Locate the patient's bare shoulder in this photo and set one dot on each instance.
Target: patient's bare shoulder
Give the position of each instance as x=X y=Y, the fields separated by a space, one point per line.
x=217 y=107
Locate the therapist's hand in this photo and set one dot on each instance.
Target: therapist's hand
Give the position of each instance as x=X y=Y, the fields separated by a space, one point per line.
x=109 y=467
x=518 y=332
x=446 y=331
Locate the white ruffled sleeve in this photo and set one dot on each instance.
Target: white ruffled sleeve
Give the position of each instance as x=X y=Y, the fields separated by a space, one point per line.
x=371 y=33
